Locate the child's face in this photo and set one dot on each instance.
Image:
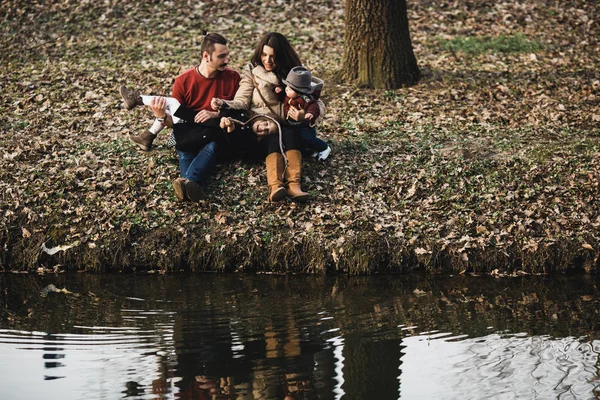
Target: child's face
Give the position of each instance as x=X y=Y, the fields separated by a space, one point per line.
x=264 y=127
x=291 y=93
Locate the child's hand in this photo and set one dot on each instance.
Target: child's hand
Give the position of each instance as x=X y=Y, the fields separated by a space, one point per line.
x=278 y=89
x=216 y=104
x=227 y=123
x=309 y=116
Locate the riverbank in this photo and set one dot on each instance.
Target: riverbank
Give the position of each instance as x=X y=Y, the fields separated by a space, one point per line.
x=489 y=165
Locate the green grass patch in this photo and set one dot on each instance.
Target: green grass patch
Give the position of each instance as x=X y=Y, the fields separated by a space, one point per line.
x=517 y=43
x=14 y=125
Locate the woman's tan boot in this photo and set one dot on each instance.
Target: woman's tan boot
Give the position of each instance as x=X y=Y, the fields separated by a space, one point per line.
x=293 y=175
x=274 y=177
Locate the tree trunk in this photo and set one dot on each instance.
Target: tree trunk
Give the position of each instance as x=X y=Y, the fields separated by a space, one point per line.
x=377 y=48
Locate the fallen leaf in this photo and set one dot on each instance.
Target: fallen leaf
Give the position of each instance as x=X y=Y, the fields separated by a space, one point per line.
x=420 y=251
x=586 y=245
x=54 y=250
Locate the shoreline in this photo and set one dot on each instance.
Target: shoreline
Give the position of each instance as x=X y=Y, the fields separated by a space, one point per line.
x=165 y=251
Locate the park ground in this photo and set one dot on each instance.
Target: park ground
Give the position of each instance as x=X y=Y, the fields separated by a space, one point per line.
x=489 y=165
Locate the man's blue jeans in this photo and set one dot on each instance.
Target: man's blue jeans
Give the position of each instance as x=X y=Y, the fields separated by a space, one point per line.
x=309 y=139
x=196 y=166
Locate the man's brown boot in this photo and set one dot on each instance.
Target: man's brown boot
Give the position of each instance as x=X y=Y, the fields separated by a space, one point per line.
x=293 y=176
x=131 y=98
x=274 y=177
x=179 y=188
x=194 y=191
x=188 y=190
x=143 y=140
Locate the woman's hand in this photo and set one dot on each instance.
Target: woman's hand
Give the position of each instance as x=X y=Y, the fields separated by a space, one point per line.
x=204 y=116
x=216 y=104
x=296 y=114
x=159 y=106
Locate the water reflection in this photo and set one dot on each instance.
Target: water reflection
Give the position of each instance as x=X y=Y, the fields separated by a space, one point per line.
x=536 y=367
x=269 y=337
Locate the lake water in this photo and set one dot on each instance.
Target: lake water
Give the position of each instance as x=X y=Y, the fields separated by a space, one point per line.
x=305 y=337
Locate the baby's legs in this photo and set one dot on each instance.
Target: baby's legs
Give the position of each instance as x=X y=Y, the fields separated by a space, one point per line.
x=319 y=149
x=309 y=139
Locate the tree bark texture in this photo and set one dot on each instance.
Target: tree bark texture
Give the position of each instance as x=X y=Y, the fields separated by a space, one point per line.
x=377 y=48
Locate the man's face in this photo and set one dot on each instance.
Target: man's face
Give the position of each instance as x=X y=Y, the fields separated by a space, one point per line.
x=219 y=58
x=264 y=127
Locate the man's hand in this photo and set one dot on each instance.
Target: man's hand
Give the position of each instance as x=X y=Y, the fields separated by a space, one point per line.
x=159 y=106
x=296 y=114
x=216 y=104
x=309 y=116
x=204 y=116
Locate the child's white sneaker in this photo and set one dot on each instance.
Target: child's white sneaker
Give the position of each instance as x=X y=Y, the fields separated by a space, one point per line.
x=322 y=155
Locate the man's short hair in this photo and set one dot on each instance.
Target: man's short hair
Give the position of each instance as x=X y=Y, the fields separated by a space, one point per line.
x=208 y=43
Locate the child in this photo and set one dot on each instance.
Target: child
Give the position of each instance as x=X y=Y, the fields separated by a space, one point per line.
x=262 y=125
x=179 y=114
x=132 y=98
x=244 y=133
x=302 y=93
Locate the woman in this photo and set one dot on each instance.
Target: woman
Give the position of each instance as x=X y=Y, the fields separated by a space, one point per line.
x=265 y=134
x=270 y=64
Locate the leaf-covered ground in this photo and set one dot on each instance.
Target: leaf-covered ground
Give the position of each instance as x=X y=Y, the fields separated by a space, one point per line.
x=489 y=165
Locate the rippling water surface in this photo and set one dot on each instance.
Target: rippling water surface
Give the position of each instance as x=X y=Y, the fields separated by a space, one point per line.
x=268 y=337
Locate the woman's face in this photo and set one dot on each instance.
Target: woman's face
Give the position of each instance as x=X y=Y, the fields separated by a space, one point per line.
x=264 y=127
x=267 y=58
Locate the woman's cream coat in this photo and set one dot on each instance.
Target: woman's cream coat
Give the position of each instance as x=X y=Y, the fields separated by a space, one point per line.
x=256 y=79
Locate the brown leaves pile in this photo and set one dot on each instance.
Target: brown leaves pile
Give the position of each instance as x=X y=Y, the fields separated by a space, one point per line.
x=490 y=162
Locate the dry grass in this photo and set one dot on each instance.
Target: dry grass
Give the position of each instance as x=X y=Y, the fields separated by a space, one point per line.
x=489 y=163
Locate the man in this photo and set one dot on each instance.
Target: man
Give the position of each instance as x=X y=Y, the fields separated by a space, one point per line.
x=198 y=142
